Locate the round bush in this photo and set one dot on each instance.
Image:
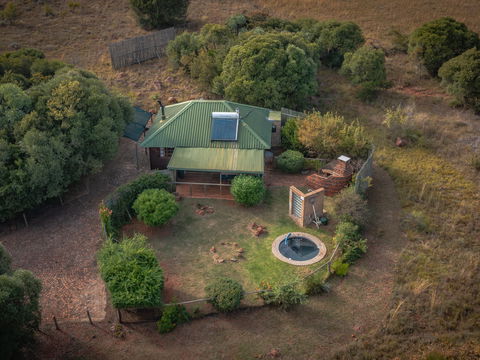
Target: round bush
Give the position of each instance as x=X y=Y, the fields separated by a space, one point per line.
x=440 y=40
x=225 y=294
x=248 y=190
x=461 y=75
x=291 y=161
x=155 y=206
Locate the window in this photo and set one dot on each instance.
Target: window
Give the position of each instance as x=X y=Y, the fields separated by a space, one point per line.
x=225 y=126
x=166 y=152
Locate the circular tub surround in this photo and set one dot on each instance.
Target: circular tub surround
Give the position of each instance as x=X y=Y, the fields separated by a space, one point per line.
x=298 y=248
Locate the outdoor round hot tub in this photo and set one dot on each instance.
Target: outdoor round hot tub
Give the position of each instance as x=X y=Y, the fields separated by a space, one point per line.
x=299 y=248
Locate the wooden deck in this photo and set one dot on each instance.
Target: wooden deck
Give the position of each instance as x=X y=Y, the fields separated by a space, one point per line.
x=204 y=191
x=202 y=185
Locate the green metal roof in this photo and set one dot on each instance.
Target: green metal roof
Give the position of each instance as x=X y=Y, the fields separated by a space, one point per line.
x=218 y=160
x=189 y=124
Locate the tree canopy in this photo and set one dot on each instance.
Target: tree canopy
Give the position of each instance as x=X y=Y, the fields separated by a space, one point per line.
x=61 y=127
x=270 y=70
x=440 y=40
x=19 y=307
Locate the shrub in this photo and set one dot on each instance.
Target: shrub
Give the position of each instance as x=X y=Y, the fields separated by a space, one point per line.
x=334 y=39
x=399 y=41
x=475 y=162
x=439 y=41
x=352 y=244
x=182 y=50
x=290 y=135
x=155 y=206
x=340 y=268
x=248 y=190
x=5 y=261
x=366 y=67
x=313 y=164
x=329 y=136
x=225 y=294
x=315 y=284
x=270 y=70
x=9 y=13
x=157 y=14
x=121 y=201
x=237 y=23
x=291 y=161
x=131 y=273
x=460 y=77
x=349 y=206
x=399 y=122
x=19 y=307
x=283 y=296
x=172 y=316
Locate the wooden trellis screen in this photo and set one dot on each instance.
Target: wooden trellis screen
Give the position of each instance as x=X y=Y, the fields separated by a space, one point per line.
x=141 y=48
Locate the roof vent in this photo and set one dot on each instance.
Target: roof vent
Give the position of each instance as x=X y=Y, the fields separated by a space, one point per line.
x=225 y=126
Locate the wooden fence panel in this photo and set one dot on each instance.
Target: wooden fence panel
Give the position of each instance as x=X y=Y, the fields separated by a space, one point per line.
x=141 y=48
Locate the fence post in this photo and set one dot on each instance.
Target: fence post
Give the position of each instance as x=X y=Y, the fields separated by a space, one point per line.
x=56 y=324
x=328 y=266
x=119 y=316
x=89 y=317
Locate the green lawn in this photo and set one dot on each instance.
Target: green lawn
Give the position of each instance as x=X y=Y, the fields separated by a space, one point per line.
x=183 y=246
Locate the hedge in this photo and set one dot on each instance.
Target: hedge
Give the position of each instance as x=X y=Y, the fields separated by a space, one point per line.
x=131 y=273
x=120 y=202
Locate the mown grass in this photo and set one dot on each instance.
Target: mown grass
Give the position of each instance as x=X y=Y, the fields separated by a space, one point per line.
x=183 y=247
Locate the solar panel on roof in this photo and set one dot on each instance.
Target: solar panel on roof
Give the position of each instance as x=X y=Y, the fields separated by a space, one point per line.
x=224 y=126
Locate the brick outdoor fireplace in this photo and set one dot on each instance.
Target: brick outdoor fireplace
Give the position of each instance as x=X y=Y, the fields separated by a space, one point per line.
x=335 y=176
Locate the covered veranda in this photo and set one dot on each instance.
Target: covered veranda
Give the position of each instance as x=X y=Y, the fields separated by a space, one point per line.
x=208 y=172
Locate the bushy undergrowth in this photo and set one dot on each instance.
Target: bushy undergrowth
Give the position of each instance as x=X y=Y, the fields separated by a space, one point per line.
x=291 y=161
x=225 y=294
x=348 y=206
x=121 y=201
x=284 y=296
x=172 y=316
x=330 y=135
x=131 y=273
x=352 y=244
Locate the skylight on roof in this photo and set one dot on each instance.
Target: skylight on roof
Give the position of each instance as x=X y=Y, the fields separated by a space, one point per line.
x=225 y=126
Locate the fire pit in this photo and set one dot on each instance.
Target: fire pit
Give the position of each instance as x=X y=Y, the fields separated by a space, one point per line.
x=299 y=248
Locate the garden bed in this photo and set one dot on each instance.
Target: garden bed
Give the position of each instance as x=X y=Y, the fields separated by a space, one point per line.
x=194 y=249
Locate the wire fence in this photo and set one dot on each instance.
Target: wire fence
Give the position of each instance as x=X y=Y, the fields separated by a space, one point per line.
x=288 y=114
x=140 y=48
x=364 y=175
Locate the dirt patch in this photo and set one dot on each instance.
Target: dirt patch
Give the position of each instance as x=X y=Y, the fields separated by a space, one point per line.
x=60 y=243
x=355 y=306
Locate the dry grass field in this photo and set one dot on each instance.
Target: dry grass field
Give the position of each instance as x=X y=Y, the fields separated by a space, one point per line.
x=429 y=301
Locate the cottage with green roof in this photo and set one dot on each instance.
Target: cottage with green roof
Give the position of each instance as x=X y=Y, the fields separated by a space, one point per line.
x=210 y=141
